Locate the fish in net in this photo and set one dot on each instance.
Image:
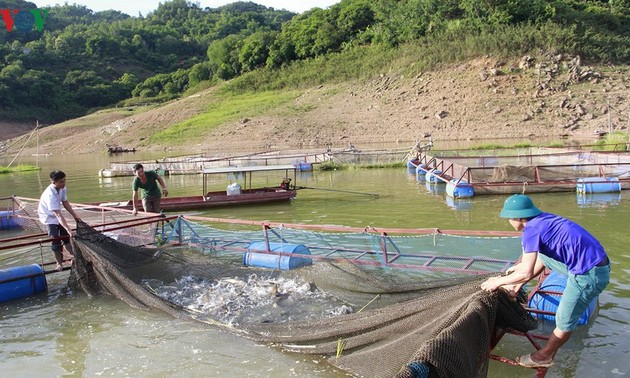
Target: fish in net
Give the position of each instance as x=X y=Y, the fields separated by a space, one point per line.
x=369 y=322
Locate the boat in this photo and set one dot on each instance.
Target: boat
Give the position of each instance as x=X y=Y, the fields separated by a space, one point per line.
x=234 y=195
x=119 y=150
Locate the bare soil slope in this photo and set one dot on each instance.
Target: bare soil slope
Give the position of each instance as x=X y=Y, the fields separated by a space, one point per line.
x=481 y=99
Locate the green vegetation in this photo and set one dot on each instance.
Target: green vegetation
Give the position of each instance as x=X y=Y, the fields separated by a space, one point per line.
x=383 y=165
x=18 y=168
x=617 y=141
x=227 y=108
x=83 y=60
x=332 y=166
x=492 y=146
x=555 y=145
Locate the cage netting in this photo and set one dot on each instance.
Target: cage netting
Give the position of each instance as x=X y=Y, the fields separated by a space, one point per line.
x=370 y=320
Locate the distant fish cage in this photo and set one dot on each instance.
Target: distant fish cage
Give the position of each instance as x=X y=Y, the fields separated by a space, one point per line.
x=195 y=164
x=385 y=156
x=531 y=171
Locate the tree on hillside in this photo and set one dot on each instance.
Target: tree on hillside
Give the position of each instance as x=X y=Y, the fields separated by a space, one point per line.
x=223 y=57
x=255 y=50
x=179 y=44
x=199 y=72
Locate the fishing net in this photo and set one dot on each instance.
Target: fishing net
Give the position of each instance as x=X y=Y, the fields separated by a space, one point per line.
x=370 y=319
x=15 y=214
x=532 y=170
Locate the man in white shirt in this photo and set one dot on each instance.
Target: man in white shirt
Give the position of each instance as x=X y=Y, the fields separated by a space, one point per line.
x=50 y=214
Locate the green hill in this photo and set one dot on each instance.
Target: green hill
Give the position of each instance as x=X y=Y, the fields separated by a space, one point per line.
x=359 y=71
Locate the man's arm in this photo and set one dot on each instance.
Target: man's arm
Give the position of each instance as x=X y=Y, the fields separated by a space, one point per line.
x=522 y=273
x=69 y=208
x=163 y=185
x=62 y=221
x=134 y=200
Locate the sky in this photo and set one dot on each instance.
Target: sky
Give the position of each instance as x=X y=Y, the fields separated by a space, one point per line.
x=132 y=7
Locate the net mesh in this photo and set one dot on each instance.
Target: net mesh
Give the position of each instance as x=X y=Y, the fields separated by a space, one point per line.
x=350 y=304
x=535 y=170
x=369 y=157
x=21 y=213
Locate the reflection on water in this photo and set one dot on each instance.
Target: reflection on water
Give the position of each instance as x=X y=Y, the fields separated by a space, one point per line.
x=436 y=189
x=66 y=333
x=601 y=200
x=460 y=204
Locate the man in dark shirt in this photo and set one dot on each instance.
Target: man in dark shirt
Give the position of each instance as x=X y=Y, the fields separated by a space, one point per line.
x=148 y=183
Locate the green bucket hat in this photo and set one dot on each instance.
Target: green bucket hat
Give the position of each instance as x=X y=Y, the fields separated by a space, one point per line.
x=519 y=206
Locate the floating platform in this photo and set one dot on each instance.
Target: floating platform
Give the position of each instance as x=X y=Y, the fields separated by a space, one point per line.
x=196 y=164
x=531 y=170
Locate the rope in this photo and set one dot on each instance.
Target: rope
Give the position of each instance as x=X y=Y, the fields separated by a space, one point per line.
x=341 y=191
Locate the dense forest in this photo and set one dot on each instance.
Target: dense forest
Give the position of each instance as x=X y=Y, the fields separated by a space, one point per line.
x=73 y=60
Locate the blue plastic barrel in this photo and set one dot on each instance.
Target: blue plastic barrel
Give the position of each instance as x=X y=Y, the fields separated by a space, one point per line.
x=21 y=281
x=598 y=185
x=421 y=169
x=549 y=302
x=413 y=163
x=304 y=167
x=8 y=220
x=459 y=190
x=433 y=175
x=268 y=260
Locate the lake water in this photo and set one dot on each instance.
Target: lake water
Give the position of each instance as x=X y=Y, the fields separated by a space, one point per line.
x=65 y=334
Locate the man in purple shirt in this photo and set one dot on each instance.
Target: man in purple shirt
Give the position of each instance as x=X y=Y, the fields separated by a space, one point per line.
x=562 y=245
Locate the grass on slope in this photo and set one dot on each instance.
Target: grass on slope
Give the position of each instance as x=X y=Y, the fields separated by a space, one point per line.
x=227 y=108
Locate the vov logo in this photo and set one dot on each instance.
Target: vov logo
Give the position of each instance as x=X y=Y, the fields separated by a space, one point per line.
x=23 y=20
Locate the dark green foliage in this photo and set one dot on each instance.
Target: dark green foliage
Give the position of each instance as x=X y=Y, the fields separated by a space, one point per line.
x=87 y=54
x=254 y=51
x=83 y=59
x=223 y=57
x=198 y=73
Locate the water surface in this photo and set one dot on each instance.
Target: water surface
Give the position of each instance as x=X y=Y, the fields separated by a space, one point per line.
x=63 y=333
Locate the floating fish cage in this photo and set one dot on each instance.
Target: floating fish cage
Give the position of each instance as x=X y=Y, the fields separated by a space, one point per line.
x=536 y=170
x=414 y=273
x=25 y=247
x=371 y=156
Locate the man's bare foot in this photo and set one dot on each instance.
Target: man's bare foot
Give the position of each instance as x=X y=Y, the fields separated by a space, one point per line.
x=58 y=268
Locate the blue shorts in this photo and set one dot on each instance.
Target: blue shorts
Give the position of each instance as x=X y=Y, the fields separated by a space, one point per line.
x=579 y=292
